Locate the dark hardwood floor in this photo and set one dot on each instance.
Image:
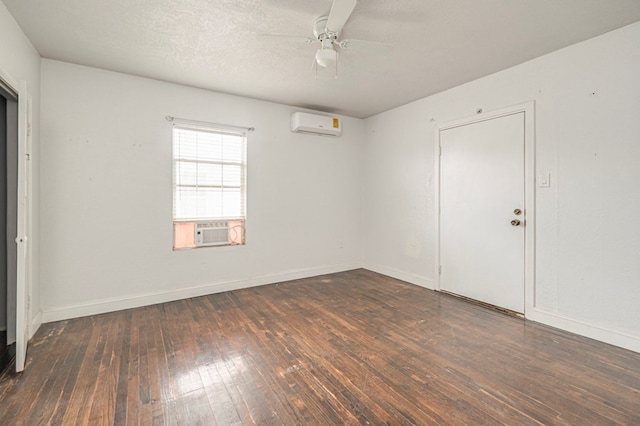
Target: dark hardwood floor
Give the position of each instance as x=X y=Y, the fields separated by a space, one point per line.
x=6 y=353
x=348 y=348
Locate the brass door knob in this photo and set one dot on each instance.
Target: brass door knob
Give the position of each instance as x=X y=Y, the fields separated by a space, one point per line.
x=515 y=222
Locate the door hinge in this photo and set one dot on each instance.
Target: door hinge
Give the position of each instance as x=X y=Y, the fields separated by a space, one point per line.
x=439 y=269
x=28 y=302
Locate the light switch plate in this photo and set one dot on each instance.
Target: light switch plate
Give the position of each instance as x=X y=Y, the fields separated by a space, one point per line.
x=544 y=180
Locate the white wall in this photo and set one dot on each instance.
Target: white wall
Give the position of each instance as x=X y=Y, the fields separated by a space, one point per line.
x=107 y=197
x=587 y=136
x=20 y=61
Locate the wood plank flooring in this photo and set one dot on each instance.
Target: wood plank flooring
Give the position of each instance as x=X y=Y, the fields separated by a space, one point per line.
x=348 y=348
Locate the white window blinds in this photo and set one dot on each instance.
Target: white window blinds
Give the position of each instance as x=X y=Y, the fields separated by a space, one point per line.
x=209 y=167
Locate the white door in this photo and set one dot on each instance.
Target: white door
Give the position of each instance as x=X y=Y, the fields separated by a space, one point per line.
x=482 y=186
x=22 y=309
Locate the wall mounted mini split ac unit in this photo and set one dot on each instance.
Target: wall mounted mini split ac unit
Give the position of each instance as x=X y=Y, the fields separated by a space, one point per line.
x=302 y=122
x=212 y=234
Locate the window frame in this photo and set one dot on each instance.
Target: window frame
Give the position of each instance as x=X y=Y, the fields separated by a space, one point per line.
x=233 y=223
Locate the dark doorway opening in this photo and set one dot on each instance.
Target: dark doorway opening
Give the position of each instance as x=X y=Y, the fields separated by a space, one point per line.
x=8 y=230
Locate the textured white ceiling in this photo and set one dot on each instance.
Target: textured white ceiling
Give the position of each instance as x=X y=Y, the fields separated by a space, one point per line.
x=216 y=44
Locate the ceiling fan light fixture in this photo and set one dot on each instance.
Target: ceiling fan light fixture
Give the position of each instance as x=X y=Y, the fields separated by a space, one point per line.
x=326 y=57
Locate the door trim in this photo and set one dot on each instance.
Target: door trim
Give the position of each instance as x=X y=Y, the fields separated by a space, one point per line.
x=23 y=250
x=528 y=108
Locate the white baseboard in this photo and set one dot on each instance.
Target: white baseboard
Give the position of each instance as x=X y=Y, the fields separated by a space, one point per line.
x=36 y=322
x=119 y=303
x=582 y=328
x=399 y=275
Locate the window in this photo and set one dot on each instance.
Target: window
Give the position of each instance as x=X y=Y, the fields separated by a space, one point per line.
x=209 y=186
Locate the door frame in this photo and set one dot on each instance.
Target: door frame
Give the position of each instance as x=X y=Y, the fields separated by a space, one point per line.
x=528 y=108
x=23 y=249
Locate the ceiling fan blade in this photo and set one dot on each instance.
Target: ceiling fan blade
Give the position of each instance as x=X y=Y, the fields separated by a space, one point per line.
x=340 y=12
x=364 y=45
x=284 y=37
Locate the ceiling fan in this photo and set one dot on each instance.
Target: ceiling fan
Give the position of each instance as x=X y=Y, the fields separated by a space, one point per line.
x=326 y=31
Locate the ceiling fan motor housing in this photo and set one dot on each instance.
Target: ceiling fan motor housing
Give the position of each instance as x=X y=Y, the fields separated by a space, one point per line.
x=326 y=55
x=320 y=29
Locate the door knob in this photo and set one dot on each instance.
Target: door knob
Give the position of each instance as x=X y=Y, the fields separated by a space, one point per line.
x=515 y=222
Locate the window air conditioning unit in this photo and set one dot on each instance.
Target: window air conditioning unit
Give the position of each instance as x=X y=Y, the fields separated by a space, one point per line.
x=302 y=122
x=212 y=234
